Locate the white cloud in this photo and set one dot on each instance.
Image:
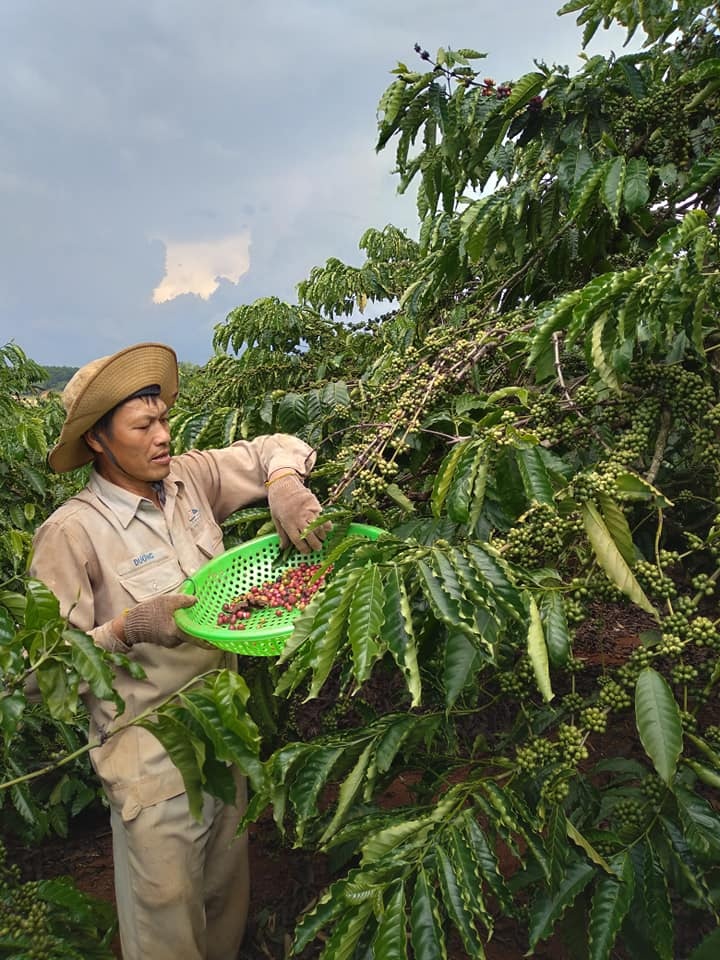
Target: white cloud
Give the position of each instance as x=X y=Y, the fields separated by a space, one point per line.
x=192 y=267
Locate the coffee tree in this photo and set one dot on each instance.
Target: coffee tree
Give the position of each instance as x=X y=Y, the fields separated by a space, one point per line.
x=531 y=411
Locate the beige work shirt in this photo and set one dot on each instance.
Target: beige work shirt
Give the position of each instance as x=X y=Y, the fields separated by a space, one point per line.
x=107 y=549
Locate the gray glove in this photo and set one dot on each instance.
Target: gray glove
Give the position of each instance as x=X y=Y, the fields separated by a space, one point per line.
x=152 y=621
x=292 y=508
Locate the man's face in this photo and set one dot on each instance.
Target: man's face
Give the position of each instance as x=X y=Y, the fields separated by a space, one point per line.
x=139 y=440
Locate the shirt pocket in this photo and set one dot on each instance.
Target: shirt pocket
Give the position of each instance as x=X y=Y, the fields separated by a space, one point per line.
x=209 y=541
x=160 y=575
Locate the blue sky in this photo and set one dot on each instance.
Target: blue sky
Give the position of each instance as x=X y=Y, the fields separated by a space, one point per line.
x=163 y=161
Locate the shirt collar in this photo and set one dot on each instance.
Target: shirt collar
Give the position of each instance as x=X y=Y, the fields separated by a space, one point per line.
x=122 y=502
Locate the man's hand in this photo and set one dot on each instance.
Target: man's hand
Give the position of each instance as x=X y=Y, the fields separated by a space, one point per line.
x=152 y=621
x=292 y=508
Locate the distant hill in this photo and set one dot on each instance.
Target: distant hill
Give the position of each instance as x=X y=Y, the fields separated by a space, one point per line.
x=57 y=377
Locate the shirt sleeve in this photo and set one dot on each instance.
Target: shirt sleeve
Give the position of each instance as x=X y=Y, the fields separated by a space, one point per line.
x=234 y=476
x=61 y=562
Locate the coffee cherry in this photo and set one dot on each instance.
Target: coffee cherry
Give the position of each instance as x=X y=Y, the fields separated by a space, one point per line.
x=293 y=589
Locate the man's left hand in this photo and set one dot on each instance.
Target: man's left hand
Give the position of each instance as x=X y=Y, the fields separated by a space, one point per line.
x=292 y=508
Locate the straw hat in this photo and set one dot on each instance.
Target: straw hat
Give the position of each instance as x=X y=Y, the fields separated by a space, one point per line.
x=101 y=385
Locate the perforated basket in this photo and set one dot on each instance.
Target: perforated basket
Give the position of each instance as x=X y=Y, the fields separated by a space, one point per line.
x=234 y=572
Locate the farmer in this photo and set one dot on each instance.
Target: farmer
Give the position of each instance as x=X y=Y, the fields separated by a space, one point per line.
x=116 y=555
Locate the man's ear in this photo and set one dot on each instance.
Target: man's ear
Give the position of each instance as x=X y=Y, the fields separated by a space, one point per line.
x=91 y=439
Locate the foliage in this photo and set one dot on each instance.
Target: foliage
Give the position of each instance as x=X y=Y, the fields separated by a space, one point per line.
x=534 y=421
x=51 y=919
x=28 y=492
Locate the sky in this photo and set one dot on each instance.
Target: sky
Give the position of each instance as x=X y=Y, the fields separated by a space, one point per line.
x=164 y=161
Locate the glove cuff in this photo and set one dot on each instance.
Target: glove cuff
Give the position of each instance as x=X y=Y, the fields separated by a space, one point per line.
x=137 y=624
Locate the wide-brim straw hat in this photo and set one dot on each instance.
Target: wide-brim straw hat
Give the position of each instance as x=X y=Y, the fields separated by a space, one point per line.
x=102 y=384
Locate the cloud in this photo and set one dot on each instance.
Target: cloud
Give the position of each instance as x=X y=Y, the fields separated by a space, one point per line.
x=197 y=268
x=207 y=126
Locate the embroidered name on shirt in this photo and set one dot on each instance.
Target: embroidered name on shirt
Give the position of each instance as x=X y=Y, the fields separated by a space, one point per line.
x=143 y=558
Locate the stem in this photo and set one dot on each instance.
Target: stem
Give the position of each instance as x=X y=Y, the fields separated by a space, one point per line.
x=26 y=777
x=660 y=445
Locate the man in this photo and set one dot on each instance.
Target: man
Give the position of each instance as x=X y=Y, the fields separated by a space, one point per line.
x=116 y=555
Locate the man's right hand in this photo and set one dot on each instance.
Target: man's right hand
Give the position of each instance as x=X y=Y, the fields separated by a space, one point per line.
x=152 y=621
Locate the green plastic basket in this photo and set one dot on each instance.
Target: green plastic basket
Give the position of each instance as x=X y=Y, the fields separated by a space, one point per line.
x=249 y=565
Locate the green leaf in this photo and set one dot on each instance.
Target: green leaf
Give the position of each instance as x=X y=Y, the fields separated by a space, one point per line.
x=395 y=493
x=651 y=879
x=633 y=76
x=325 y=638
x=684 y=862
x=610 y=904
x=457 y=903
x=556 y=845
x=658 y=722
x=485 y=861
x=23 y=803
x=445 y=607
x=390 y=942
x=187 y=753
x=573 y=164
x=586 y=189
x=348 y=791
x=600 y=343
x=470 y=876
x=426 y=935
x=379 y=844
x=613 y=187
x=463 y=483
x=524 y=89
x=310 y=775
x=14 y=603
x=618 y=527
x=399 y=635
x=701 y=824
x=365 y=619
x=460 y=663
x=582 y=841
x=636 y=189
x=710 y=778
x=346 y=932
x=59 y=694
x=537 y=651
x=12 y=707
x=704 y=172
x=634 y=487
x=534 y=474
x=611 y=560
x=557 y=632
x=330 y=906
x=492 y=569
x=390 y=741
x=234 y=737
x=41 y=605
x=90 y=663
x=549 y=906
x=444 y=477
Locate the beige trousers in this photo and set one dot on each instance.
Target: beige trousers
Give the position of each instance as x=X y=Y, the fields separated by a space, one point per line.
x=181 y=885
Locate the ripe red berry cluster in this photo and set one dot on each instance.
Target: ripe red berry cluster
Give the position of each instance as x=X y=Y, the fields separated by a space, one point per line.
x=292 y=590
